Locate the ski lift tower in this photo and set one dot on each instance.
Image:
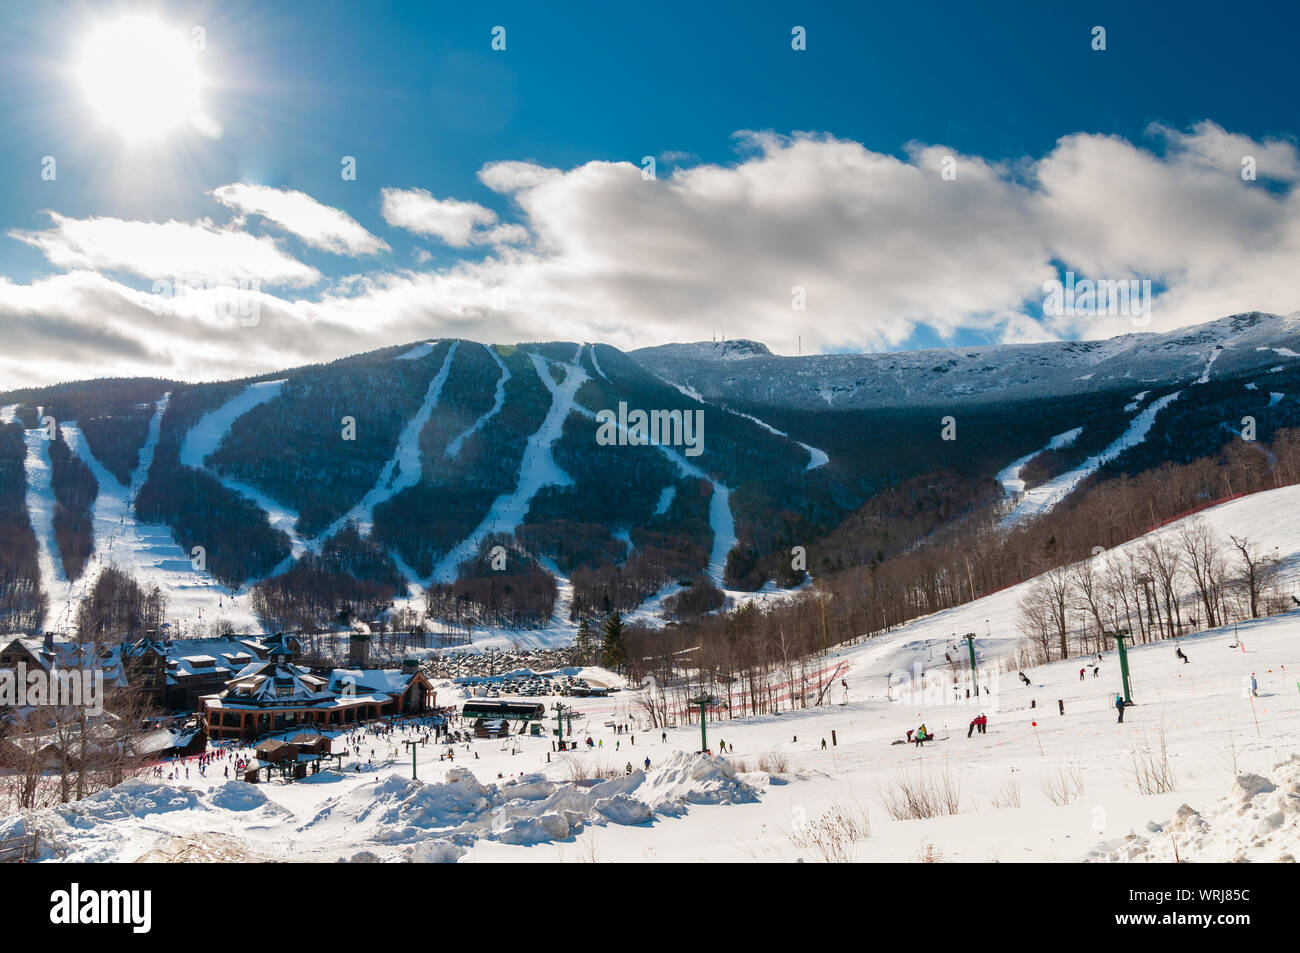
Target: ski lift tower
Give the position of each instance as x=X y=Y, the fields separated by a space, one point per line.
x=704 y=700
x=970 y=644
x=1119 y=635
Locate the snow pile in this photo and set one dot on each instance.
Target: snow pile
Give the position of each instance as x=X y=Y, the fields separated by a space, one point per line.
x=104 y=825
x=438 y=821
x=1259 y=821
x=695 y=779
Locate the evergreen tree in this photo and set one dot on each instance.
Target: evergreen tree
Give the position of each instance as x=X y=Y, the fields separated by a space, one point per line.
x=584 y=644
x=613 y=653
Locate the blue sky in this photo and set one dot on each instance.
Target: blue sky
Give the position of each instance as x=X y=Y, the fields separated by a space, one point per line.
x=416 y=94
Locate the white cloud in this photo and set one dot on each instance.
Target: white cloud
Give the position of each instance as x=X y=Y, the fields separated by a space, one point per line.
x=164 y=250
x=459 y=224
x=319 y=225
x=881 y=244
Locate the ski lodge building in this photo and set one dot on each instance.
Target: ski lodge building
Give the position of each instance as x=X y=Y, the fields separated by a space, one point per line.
x=278 y=695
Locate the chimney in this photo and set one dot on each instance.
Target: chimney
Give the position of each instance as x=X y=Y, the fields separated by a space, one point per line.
x=359 y=649
x=410 y=666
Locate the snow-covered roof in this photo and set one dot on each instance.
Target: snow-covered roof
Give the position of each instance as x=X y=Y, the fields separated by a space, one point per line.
x=392 y=681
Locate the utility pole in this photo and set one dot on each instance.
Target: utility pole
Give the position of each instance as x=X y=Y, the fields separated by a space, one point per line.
x=411 y=745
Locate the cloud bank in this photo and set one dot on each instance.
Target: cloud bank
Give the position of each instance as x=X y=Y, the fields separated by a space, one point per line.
x=878 y=246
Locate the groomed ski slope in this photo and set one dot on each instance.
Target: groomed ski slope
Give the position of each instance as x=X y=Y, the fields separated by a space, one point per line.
x=149 y=552
x=59 y=591
x=206 y=436
x=686 y=809
x=816 y=458
x=453 y=448
x=537 y=468
x=1009 y=476
x=1042 y=498
x=402 y=470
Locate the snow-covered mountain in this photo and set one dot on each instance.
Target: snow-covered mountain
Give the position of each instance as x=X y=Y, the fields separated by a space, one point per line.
x=748 y=374
x=483 y=478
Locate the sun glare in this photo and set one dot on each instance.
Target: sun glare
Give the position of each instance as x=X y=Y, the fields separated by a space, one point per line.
x=140 y=77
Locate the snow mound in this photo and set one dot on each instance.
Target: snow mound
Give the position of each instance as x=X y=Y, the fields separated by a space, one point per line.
x=401 y=810
x=695 y=779
x=1258 y=821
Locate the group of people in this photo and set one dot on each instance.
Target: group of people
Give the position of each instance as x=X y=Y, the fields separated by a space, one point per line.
x=979 y=723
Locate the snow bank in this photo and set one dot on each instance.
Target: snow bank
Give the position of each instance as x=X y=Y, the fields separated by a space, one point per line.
x=1258 y=821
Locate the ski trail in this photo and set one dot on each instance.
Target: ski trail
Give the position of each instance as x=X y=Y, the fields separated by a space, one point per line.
x=595 y=362
x=8 y=413
x=721 y=520
x=1205 y=373
x=537 y=469
x=816 y=458
x=666 y=497
x=112 y=514
x=417 y=352
x=402 y=470
x=149 y=552
x=206 y=436
x=1042 y=498
x=453 y=448
x=40 y=510
x=1009 y=476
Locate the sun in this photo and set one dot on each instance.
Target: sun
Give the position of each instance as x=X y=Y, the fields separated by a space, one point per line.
x=140 y=77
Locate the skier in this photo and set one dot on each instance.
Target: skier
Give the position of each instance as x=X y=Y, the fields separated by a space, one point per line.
x=663 y=736
x=823 y=744
x=974 y=723
x=1081 y=674
x=1119 y=706
x=1025 y=678
x=1254 y=686
x=983 y=723
x=647 y=764
x=1178 y=651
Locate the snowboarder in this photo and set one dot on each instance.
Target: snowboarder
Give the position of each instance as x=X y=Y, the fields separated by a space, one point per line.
x=1119 y=706
x=1025 y=678
x=1179 y=652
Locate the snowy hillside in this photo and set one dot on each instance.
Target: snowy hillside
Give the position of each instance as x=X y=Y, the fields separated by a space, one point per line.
x=405 y=476
x=1038 y=786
